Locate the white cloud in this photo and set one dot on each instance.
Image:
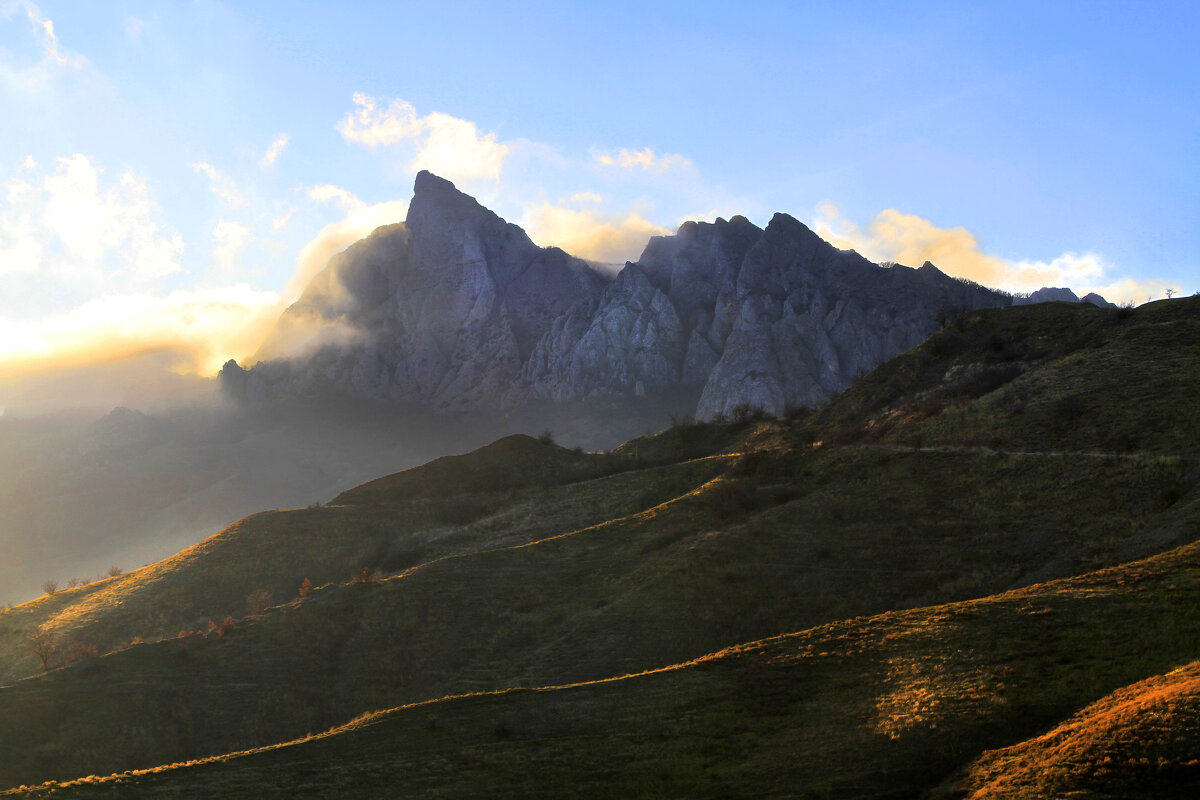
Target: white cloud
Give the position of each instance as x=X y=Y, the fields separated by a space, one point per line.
x=372 y=127
x=274 y=150
x=643 y=159
x=71 y=227
x=911 y=240
x=581 y=199
x=28 y=163
x=446 y=145
x=344 y=199
x=222 y=185
x=229 y=242
x=590 y=234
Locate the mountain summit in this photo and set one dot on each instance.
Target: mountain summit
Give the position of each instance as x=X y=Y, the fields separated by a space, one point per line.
x=456 y=309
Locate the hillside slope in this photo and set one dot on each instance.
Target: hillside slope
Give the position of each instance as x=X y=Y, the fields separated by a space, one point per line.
x=524 y=564
x=880 y=707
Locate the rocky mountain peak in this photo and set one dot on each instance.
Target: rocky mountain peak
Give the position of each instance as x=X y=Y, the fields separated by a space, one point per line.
x=458 y=309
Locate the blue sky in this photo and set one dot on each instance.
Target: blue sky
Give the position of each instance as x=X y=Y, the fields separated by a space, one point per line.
x=172 y=171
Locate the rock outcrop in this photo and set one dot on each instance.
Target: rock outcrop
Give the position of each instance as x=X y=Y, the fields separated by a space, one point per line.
x=1057 y=294
x=455 y=309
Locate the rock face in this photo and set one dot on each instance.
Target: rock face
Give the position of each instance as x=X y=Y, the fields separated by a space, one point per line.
x=455 y=309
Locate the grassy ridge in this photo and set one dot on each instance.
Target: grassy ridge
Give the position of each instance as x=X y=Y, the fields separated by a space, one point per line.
x=743 y=556
x=273 y=552
x=878 y=707
x=1141 y=740
x=1051 y=376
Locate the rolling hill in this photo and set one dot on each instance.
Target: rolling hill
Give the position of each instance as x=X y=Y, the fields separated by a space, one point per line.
x=977 y=540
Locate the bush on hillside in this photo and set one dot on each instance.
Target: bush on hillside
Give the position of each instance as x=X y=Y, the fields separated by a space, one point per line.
x=44 y=646
x=257 y=602
x=365 y=575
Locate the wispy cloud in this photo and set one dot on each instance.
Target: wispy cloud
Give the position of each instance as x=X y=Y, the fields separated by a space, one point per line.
x=50 y=46
x=54 y=58
x=274 y=150
x=909 y=239
x=222 y=185
x=646 y=160
x=281 y=222
x=447 y=145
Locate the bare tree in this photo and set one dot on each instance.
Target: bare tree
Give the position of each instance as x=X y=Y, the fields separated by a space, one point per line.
x=1170 y=293
x=44 y=645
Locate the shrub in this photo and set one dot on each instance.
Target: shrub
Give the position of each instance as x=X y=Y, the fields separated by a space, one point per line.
x=80 y=651
x=257 y=602
x=114 y=571
x=306 y=588
x=365 y=575
x=50 y=587
x=745 y=412
x=753 y=462
x=546 y=437
x=44 y=647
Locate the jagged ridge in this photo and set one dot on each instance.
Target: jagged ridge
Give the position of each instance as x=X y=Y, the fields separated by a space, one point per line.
x=457 y=309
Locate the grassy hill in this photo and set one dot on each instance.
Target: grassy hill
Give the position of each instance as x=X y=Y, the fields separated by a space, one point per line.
x=527 y=565
x=1051 y=376
x=883 y=706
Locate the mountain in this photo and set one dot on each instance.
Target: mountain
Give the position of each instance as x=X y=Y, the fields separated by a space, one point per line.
x=456 y=310
x=955 y=555
x=1056 y=294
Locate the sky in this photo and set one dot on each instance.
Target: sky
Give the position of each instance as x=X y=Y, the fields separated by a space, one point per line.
x=172 y=173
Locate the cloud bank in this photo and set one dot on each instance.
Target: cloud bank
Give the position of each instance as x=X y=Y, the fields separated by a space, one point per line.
x=82 y=232
x=201 y=328
x=911 y=240
x=589 y=233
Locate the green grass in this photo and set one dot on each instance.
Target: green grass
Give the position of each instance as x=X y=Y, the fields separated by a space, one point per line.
x=885 y=706
x=813 y=536
x=1016 y=447
x=1050 y=376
